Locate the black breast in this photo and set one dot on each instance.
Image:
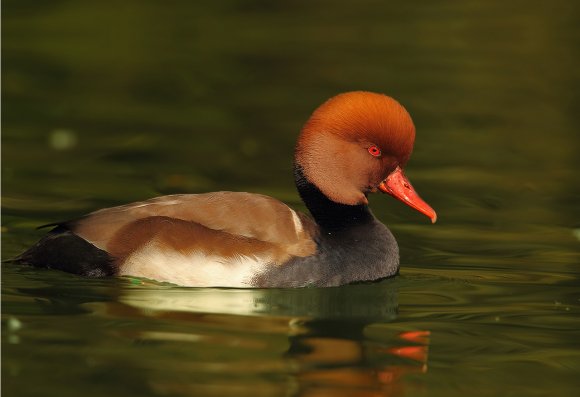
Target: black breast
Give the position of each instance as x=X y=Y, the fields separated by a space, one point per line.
x=352 y=246
x=362 y=253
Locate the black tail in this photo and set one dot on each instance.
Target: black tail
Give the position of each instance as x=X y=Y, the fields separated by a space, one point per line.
x=63 y=250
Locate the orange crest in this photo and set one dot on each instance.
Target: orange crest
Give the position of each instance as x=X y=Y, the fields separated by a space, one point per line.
x=367 y=117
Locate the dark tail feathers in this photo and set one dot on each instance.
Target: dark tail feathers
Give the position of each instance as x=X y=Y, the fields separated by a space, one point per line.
x=63 y=250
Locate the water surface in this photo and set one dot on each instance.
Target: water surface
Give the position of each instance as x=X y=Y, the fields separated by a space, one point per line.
x=106 y=103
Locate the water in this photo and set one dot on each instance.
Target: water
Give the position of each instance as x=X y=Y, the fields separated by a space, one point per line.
x=106 y=103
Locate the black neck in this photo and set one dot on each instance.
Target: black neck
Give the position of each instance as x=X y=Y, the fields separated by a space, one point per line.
x=329 y=215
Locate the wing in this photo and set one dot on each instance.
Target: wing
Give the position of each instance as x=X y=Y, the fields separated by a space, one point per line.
x=247 y=217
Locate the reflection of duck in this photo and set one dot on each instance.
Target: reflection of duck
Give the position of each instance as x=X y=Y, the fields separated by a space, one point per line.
x=264 y=349
x=350 y=301
x=233 y=342
x=335 y=360
x=322 y=358
x=354 y=144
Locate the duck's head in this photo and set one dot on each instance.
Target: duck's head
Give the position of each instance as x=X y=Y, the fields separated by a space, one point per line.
x=357 y=143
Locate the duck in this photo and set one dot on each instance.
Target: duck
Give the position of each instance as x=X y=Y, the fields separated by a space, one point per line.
x=353 y=145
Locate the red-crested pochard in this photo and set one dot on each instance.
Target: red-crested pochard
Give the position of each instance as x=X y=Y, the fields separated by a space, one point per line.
x=354 y=144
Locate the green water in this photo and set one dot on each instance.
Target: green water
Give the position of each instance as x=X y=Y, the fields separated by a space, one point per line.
x=110 y=102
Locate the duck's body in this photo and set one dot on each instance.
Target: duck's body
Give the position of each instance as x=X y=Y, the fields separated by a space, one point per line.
x=189 y=240
x=234 y=239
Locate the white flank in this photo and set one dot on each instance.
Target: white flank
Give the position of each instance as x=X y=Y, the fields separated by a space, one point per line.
x=194 y=269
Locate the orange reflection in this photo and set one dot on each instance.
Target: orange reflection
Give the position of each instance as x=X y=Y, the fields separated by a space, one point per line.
x=342 y=367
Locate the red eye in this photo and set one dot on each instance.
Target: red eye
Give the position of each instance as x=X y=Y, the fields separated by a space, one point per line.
x=374 y=151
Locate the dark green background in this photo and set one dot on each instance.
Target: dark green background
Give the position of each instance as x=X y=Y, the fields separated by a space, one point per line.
x=108 y=102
